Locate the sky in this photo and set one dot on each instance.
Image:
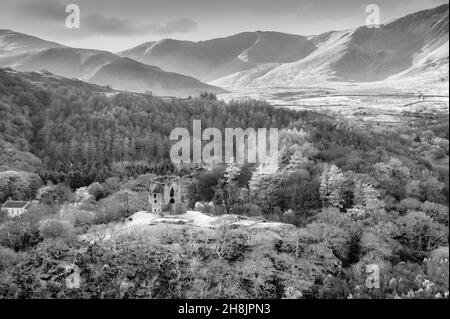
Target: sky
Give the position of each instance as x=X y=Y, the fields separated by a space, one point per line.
x=115 y=25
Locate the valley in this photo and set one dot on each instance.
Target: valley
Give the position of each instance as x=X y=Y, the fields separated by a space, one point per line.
x=390 y=107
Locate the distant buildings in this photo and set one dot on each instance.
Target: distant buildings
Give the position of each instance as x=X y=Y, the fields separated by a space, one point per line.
x=15 y=208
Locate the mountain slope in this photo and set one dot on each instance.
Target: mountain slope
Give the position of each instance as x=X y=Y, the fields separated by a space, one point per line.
x=93 y=66
x=315 y=68
x=212 y=59
x=412 y=45
x=412 y=50
x=15 y=46
x=375 y=54
x=18 y=43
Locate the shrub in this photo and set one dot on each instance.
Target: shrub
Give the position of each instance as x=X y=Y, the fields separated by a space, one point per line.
x=82 y=195
x=333 y=217
x=409 y=204
x=97 y=191
x=40 y=211
x=55 y=194
x=231 y=245
x=18 y=185
x=439 y=212
x=82 y=218
x=120 y=205
x=246 y=210
x=53 y=228
x=202 y=189
x=19 y=235
x=337 y=239
x=54 y=248
x=77 y=217
x=418 y=231
x=429 y=135
x=7 y=257
x=111 y=185
x=438 y=153
x=3 y=216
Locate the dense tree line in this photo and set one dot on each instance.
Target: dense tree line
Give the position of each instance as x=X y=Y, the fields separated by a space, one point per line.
x=81 y=135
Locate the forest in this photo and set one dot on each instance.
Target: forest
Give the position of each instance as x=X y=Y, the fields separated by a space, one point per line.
x=356 y=195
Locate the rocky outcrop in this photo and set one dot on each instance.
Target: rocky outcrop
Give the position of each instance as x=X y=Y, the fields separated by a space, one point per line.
x=195 y=219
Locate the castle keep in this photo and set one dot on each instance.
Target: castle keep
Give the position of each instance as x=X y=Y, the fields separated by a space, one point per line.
x=164 y=194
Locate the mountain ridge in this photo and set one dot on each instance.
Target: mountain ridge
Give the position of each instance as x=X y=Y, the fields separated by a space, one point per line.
x=28 y=53
x=210 y=59
x=409 y=49
x=266 y=59
x=363 y=54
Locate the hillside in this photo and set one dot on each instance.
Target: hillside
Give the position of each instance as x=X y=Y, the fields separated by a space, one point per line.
x=14 y=43
x=11 y=158
x=70 y=124
x=25 y=53
x=209 y=60
x=344 y=197
x=15 y=126
x=404 y=49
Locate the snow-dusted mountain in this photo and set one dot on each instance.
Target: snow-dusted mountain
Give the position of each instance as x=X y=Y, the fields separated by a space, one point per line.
x=409 y=50
x=412 y=47
x=212 y=59
x=401 y=50
x=26 y=53
x=13 y=43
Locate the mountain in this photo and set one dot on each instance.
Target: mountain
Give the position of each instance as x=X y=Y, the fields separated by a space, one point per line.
x=406 y=49
x=104 y=68
x=14 y=43
x=212 y=59
x=26 y=53
x=16 y=46
x=411 y=48
x=410 y=51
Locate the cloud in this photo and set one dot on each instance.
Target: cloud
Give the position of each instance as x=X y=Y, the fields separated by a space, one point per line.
x=181 y=25
x=93 y=24
x=101 y=24
x=47 y=10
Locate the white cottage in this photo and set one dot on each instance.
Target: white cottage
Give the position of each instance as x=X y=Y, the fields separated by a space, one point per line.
x=15 y=208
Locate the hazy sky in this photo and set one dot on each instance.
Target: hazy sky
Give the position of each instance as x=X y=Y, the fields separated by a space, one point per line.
x=115 y=25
